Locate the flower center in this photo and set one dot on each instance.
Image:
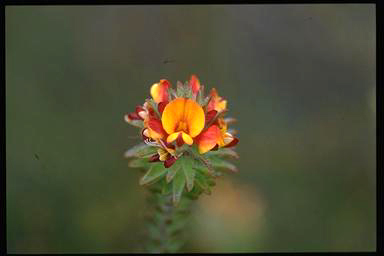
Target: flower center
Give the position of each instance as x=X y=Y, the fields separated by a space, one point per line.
x=182 y=127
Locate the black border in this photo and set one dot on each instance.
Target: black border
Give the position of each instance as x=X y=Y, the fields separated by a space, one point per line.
x=379 y=92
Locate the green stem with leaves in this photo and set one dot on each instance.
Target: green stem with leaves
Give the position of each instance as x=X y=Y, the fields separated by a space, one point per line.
x=172 y=190
x=166 y=225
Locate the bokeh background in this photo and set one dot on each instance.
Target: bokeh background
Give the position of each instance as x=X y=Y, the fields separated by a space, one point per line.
x=300 y=79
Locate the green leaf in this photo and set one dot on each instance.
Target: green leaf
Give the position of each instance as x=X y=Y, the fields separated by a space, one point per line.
x=202 y=183
x=166 y=189
x=173 y=170
x=137 y=123
x=224 y=152
x=187 y=90
x=200 y=96
x=179 y=89
x=178 y=187
x=189 y=172
x=138 y=163
x=201 y=160
x=171 y=94
x=141 y=150
x=156 y=171
x=222 y=164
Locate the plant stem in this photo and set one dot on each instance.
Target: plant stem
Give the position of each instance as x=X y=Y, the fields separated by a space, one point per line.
x=167 y=223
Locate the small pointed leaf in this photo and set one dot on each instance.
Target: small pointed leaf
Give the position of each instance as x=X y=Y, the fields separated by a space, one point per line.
x=178 y=187
x=222 y=164
x=140 y=150
x=202 y=183
x=189 y=172
x=223 y=152
x=155 y=172
x=172 y=171
x=138 y=163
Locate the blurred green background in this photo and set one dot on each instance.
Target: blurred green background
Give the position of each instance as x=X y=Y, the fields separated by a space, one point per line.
x=300 y=79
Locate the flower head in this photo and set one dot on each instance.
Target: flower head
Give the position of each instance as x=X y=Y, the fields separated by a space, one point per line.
x=173 y=119
x=185 y=134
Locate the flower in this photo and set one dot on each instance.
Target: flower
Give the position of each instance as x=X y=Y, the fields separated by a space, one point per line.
x=159 y=91
x=216 y=102
x=177 y=121
x=183 y=119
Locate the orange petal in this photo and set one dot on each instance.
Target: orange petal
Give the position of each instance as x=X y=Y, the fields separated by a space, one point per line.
x=185 y=115
x=173 y=114
x=159 y=91
x=208 y=139
x=194 y=83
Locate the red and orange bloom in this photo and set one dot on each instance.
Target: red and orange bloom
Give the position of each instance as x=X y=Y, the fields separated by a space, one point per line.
x=194 y=83
x=159 y=91
x=216 y=103
x=174 y=122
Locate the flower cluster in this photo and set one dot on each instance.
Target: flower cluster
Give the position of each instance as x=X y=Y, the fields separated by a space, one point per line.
x=177 y=120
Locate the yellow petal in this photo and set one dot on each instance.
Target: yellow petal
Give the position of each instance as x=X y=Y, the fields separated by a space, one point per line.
x=194 y=117
x=186 y=138
x=222 y=105
x=172 y=137
x=155 y=92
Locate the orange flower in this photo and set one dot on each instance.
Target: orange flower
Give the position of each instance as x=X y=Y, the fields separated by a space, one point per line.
x=216 y=102
x=183 y=117
x=182 y=120
x=159 y=91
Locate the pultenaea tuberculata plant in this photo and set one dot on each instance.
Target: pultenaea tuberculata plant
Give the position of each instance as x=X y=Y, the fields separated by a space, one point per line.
x=186 y=141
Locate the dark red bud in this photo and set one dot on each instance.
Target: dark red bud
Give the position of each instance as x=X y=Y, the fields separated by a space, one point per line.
x=169 y=162
x=154 y=158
